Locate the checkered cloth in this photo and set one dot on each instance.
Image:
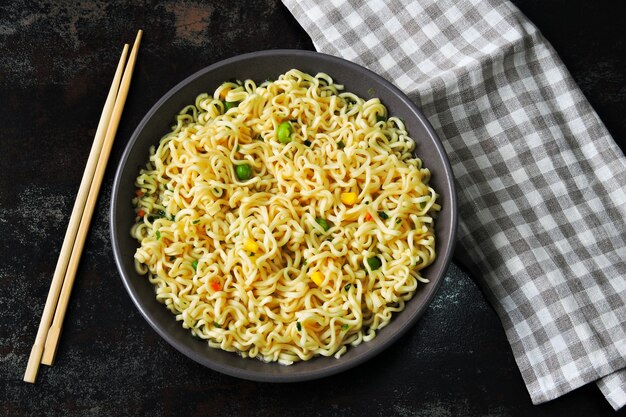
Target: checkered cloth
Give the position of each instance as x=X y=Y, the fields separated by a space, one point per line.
x=542 y=200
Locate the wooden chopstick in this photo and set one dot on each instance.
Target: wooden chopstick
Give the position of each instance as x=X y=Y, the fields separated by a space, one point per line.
x=54 y=332
x=72 y=229
x=65 y=272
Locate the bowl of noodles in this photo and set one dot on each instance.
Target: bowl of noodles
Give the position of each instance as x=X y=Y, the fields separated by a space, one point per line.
x=283 y=215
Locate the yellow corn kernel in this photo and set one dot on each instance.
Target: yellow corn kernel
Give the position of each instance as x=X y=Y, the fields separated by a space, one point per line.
x=251 y=246
x=317 y=277
x=348 y=198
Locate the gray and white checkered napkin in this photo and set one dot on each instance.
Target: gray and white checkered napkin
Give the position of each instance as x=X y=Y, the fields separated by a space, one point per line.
x=542 y=194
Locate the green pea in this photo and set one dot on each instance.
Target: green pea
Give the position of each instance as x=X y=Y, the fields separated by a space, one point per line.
x=284 y=132
x=323 y=223
x=374 y=263
x=243 y=171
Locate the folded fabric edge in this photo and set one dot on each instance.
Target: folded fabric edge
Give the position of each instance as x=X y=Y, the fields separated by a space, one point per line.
x=539 y=395
x=613 y=387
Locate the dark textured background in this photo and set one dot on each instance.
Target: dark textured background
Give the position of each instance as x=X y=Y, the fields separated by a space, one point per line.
x=56 y=64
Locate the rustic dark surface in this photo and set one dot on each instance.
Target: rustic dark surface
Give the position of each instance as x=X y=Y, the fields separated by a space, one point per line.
x=56 y=63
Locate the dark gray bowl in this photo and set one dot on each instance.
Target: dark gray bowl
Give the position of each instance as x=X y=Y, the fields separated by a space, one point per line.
x=260 y=66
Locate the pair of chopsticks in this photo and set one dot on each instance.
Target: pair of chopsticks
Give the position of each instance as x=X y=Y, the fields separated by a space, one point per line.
x=47 y=338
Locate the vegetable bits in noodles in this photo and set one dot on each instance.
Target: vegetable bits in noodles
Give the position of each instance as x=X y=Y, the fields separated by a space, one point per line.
x=284 y=220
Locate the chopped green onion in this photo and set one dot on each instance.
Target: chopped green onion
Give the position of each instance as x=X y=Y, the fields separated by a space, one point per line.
x=158 y=235
x=323 y=223
x=284 y=132
x=345 y=327
x=304 y=262
x=251 y=253
x=194 y=265
x=374 y=263
x=243 y=171
x=230 y=104
x=299 y=326
x=216 y=324
x=341 y=145
x=347 y=287
x=383 y=215
x=398 y=221
x=172 y=258
x=195 y=221
x=307 y=143
x=237 y=148
x=380 y=118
